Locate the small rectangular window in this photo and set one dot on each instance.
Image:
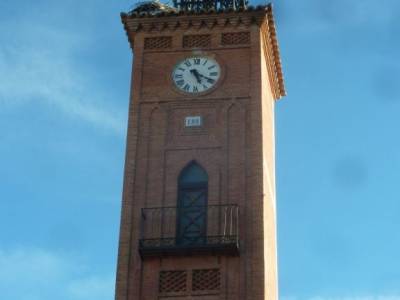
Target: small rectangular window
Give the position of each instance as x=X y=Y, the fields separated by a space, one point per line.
x=172 y=281
x=161 y=42
x=197 y=41
x=206 y=280
x=235 y=38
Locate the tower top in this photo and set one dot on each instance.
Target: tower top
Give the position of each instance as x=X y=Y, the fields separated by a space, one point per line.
x=152 y=16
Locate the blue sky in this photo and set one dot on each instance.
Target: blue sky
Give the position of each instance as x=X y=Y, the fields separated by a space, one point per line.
x=64 y=84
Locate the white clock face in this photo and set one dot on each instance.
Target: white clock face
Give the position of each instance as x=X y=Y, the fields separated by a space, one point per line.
x=196 y=74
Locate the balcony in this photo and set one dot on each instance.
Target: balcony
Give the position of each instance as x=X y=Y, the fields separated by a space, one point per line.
x=189 y=230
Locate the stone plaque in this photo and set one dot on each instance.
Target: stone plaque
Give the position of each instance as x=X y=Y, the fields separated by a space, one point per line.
x=193 y=121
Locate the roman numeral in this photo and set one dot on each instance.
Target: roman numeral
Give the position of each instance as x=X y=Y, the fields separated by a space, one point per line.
x=196 y=61
x=195 y=90
x=186 y=87
x=178 y=76
x=187 y=63
x=181 y=69
x=212 y=67
x=210 y=80
x=213 y=73
x=180 y=82
x=205 y=62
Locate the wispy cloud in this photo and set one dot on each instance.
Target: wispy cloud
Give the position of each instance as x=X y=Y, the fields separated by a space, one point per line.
x=32 y=273
x=40 y=63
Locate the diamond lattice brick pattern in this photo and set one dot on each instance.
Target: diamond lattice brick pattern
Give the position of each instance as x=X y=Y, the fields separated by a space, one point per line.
x=206 y=280
x=172 y=281
x=235 y=38
x=197 y=41
x=162 y=42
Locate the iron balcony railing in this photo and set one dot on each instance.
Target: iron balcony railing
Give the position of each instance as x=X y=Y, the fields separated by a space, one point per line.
x=189 y=230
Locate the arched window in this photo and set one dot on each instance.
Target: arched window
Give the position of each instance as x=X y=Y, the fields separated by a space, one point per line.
x=192 y=205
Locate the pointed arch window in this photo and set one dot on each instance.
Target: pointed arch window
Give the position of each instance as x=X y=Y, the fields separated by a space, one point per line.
x=192 y=205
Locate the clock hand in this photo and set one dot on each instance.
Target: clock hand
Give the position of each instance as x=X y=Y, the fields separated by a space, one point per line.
x=196 y=74
x=208 y=78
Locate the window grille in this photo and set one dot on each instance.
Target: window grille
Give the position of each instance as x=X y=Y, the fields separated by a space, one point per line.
x=197 y=41
x=235 y=38
x=162 y=42
x=172 y=281
x=206 y=280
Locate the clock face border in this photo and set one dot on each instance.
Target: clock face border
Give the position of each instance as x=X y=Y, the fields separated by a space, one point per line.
x=213 y=56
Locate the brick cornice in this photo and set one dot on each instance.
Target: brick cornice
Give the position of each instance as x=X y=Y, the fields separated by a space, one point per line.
x=271 y=50
x=144 y=22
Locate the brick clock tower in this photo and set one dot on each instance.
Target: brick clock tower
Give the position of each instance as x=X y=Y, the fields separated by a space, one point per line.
x=198 y=211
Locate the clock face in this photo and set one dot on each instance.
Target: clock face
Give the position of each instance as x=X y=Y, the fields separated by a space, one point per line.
x=196 y=74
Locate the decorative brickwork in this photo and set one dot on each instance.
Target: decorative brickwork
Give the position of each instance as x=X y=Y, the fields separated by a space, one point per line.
x=235 y=38
x=162 y=42
x=206 y=280
x=172 y=281
x=197 y=41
